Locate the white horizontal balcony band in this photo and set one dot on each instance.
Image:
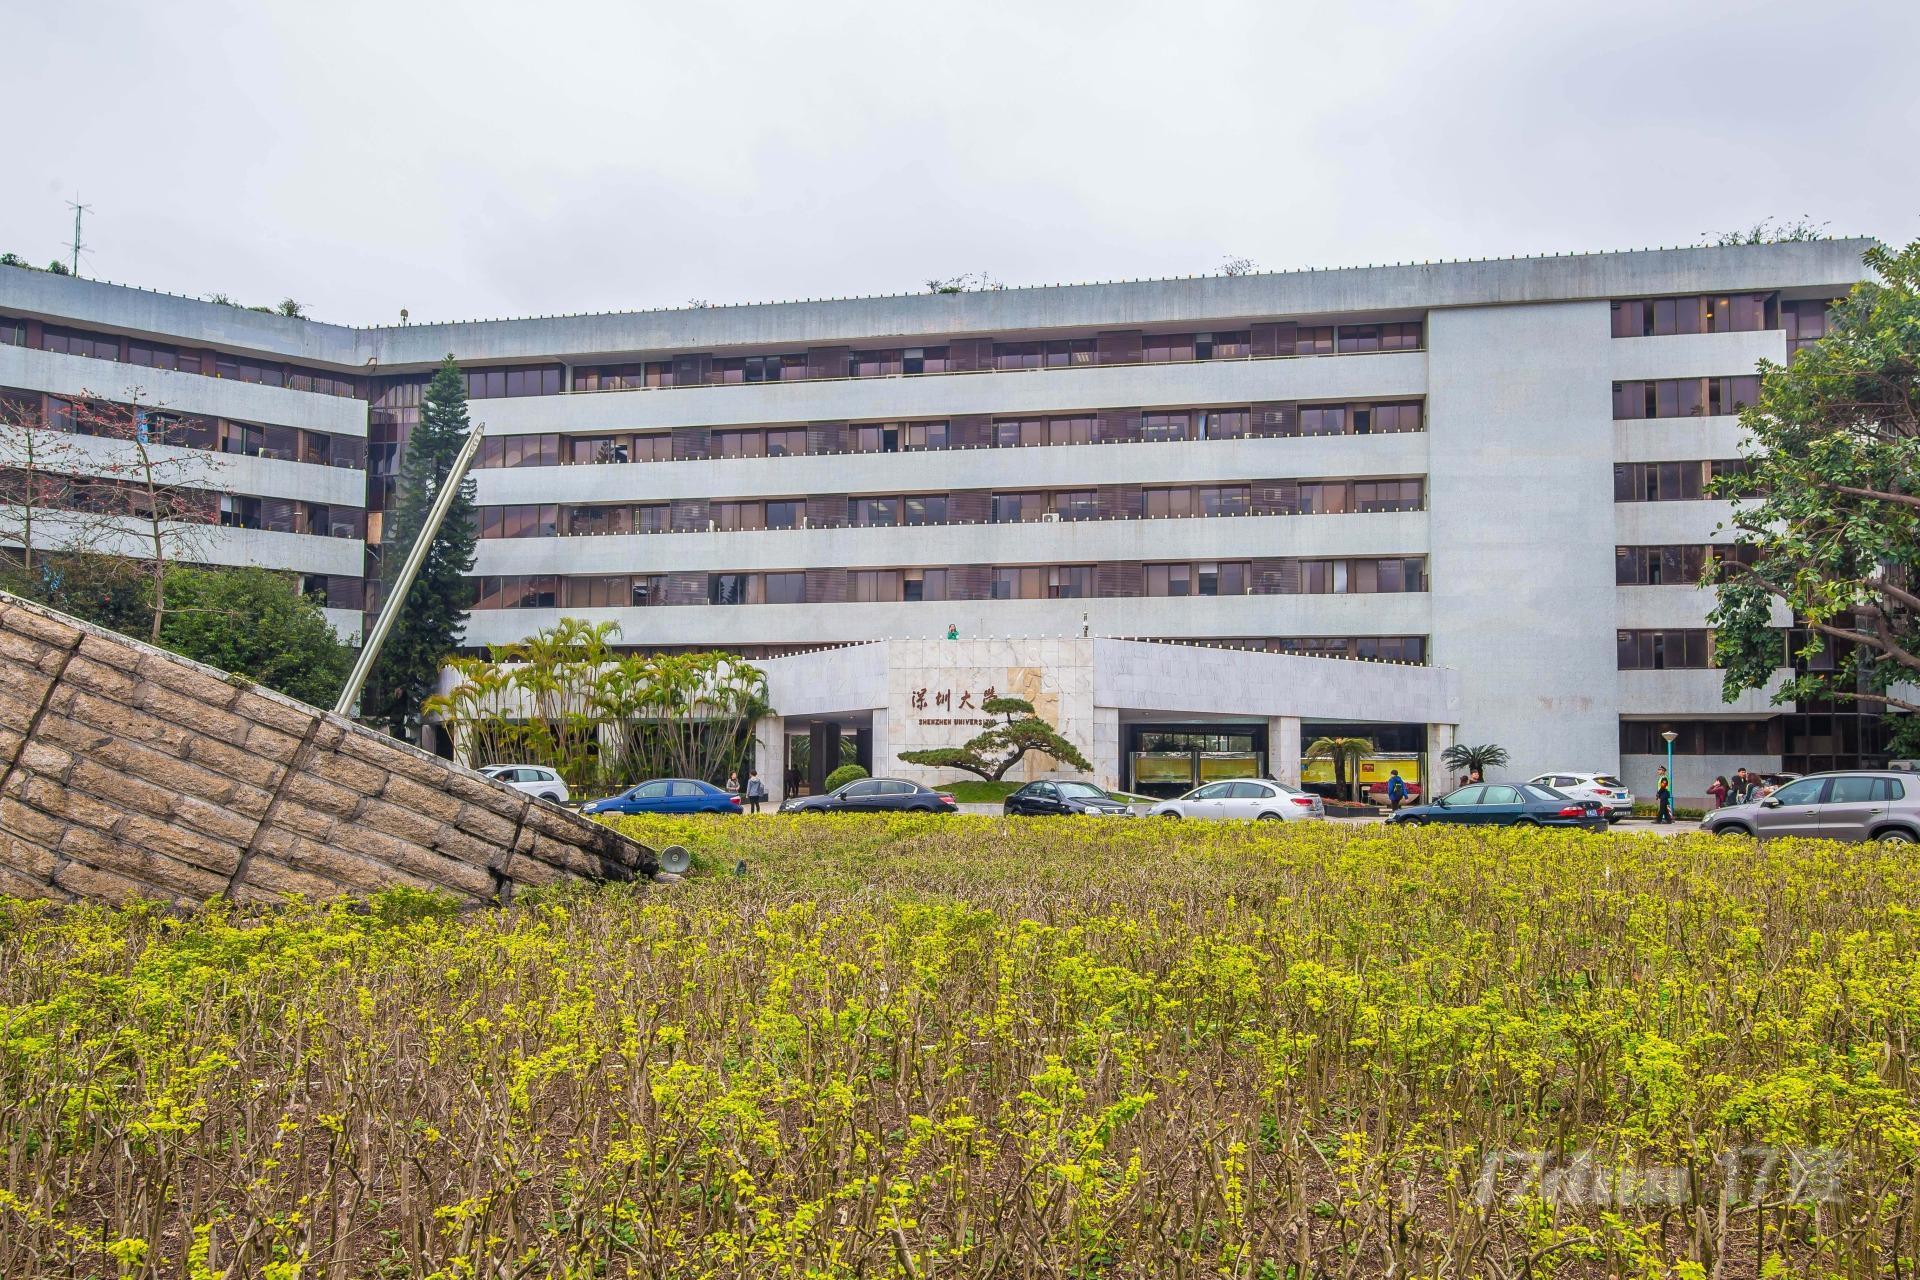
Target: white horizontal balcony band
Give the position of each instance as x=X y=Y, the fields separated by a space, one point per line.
x=1639 y=608
x=1694 y=694
x=222 y=472
x=1654 y=524
x=1408 y=614
x=182 y=392
x=1695 y=355
x=1378 y=376
x=1679 y=439
x=346 y=624
x=195 y=543
x=944 y=470
x=1398 y=533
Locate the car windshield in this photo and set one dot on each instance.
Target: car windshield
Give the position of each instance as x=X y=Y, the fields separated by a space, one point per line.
x=1081 y=790
x=1536 y=792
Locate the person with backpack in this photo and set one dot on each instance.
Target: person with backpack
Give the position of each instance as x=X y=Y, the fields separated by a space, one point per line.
x=1396 y=791
x=756 y=792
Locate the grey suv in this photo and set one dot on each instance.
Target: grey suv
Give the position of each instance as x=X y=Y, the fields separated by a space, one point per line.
x=1865 y=805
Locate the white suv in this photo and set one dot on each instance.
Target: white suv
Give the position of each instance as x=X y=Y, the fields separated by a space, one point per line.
x=534 y=779
x=1612 y=793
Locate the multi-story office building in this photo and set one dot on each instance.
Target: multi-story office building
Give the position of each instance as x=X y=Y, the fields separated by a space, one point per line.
x=1492 y=470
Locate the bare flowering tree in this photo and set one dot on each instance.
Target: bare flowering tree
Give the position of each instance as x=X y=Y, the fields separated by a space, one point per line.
x=157 y=496
x=38 y=465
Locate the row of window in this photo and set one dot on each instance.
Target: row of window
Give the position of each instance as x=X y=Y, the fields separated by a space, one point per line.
x=1701 y=737
x=1709 y=313
x=1676 y=648
x=286 y=515
x=1667 y=566
x=336 y=591
x=1684 y=397
x=156 y=355
x=547 y=520
x=1410 y=649
x=547 y=449
x=981 y=354
x=1023 y=582
x=187 y=430
x=1672 y=481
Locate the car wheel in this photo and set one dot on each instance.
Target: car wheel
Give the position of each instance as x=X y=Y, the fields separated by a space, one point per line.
x=1525 y=822
x=1731 y=829
x=550 y=798
x=1268 y=817
x=1895 y=836
x=1171 y=814
x=1613 y=818
x=1412 y=822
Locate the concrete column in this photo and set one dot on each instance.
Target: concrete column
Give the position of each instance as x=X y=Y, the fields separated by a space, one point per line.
x=1439 y=779
x=770 y=756
x=1108 y=768
x=1283 y=749
x=884 y=765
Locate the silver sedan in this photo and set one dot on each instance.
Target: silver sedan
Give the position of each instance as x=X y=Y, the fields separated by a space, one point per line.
x=1254 y=798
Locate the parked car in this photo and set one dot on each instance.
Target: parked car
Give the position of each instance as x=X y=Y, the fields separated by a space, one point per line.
x=1614 y=795
x=1255 y=798
x=874 y=795
x=1865 y=805
x=668 y=795
x=534 y=779
x=1495 y=804
x=1065 y=797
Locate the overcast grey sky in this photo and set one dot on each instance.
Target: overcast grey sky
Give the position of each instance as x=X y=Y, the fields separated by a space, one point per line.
x=529 y=158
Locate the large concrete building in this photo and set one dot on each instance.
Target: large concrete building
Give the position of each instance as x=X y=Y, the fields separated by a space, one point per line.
x=1492 y=469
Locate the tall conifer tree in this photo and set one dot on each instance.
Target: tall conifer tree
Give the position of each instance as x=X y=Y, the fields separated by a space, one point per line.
x=436 y=608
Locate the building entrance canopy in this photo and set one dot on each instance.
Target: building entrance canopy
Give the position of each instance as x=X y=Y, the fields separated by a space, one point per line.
x=910 y=695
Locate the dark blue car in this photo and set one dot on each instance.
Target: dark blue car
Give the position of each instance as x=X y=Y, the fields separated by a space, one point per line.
x=1496 y=804
x=668 y=795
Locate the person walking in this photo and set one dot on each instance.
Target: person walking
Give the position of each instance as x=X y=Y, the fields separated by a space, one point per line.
x=1720 y=790
x=1663 y=791
x=1396 y=791
x=756 y=792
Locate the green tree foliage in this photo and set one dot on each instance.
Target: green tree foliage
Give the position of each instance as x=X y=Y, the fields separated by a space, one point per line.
x=565 y=698
x=1467 y=758
x=1344 y=752
x=991 y=752
x=1834 y=535
x=255 y=622
x=435 y=610
x=108 y=591
x=843 y=775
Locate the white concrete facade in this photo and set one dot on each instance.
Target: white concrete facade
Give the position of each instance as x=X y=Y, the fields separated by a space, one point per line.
x=1516 y=532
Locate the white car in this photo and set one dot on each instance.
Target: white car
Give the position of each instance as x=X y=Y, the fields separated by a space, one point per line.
x=1613 y=794
x=534 y=779
x=1254 y=798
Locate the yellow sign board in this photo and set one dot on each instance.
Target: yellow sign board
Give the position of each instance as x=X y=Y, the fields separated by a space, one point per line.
x=1374 y=771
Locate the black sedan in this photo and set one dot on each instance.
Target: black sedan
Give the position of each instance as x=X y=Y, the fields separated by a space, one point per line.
x=1065 y=797
x=874 y=795
x=1496 y=804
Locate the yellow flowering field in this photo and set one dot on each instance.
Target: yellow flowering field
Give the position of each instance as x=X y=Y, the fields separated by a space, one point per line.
x=964 y=1046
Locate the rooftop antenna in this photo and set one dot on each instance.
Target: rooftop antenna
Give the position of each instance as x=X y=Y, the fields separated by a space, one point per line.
x=79 y=210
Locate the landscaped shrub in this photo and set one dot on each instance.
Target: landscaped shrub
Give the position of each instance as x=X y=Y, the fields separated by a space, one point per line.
x=961 y=1047
x=843 y=775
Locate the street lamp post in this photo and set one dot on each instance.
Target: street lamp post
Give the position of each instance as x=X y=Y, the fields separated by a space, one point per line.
x=1669 y=736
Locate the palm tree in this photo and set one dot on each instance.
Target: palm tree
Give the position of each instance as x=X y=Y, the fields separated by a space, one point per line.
x=1340 y=751
x=1467 y=759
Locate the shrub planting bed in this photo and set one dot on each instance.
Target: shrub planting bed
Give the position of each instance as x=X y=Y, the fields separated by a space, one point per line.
x=971 y=1047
